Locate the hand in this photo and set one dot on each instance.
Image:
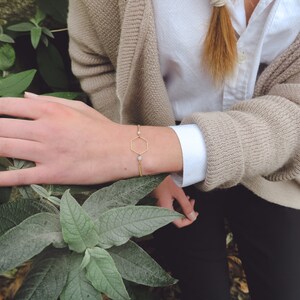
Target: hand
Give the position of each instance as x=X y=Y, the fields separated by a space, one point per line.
x=168 y=192
x=62 y=137
x=71 y=143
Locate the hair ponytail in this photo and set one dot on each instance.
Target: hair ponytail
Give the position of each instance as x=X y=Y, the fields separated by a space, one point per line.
x=220 y=53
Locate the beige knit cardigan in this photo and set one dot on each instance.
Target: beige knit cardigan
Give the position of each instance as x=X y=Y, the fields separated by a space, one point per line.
x=114 y=54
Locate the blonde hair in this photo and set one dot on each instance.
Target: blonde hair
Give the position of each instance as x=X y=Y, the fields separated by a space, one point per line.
x=220 y=51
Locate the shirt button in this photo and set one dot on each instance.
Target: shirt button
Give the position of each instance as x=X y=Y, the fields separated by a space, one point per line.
x=242 y=57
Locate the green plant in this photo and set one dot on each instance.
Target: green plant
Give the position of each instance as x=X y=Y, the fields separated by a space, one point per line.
x=37 y=31
x=80 y=251
x=30 y=56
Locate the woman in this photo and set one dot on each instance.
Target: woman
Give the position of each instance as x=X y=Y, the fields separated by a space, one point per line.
x=231 y=72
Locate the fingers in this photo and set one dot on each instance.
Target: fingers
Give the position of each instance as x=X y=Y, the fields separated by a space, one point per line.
x=190 y=217
x=21 y=149
x=167 y=193
x=19 y=129
x=20 y=177
x=69 y=103
x=186 y=205
x=75 y=104
x=18 y=107
x=189 y=209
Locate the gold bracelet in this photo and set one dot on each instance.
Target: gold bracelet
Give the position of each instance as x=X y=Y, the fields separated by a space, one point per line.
x=134 y=148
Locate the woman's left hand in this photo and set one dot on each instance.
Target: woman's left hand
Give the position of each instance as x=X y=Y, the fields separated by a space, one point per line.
x=167 y=193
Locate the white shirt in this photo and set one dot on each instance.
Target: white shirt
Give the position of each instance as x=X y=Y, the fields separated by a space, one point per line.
x=181 y=28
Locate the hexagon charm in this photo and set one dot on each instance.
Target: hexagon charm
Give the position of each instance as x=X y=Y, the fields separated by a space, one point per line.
x=133 y=146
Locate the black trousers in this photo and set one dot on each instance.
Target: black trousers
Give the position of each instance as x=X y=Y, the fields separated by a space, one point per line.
x=268 y=238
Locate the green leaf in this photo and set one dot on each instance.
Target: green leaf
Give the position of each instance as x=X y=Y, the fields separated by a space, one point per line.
x=19 y=163
x=83 y=191
x=45 y=40
x=6 y=38
x=57 y=9
x=5 y=162
x=78 y=286
x=118 y=225
x=54 y=200
x=78 y=229
x=135 y=264
x=21 y=27
x=44 y=194
x=104 y=276
x=28 y=239
x=65 y=95
x=47 y=32
x=40 y=191
x=16 y=83
x=46 y=279
x=5 y=193
x=121 y=193
x=35 y=35
x=26 y=192
x=39 y=16
x=52 y=68
x=86 y=260
x=7 y=57
x=13 y=213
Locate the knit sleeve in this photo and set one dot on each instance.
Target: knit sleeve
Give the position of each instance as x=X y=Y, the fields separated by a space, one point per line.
x=257 y=137
x=90 y=62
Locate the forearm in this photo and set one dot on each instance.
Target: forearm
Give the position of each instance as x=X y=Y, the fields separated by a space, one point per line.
x=257 y=137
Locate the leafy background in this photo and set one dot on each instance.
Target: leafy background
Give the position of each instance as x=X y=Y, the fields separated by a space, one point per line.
x=34 y=56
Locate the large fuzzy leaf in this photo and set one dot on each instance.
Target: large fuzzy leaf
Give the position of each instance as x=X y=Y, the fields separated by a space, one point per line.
x=78 y=287
x=77 y=227
x=28 y=239
x=13 y=213
x=104 y=276
x=46 y=279
x=118 y=225
x=135 y=264
x=121 y=193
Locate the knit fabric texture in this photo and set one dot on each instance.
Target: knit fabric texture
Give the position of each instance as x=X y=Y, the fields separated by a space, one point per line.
x=114 y=54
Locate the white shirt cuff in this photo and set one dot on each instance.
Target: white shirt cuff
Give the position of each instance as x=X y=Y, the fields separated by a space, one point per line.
x=194 y=155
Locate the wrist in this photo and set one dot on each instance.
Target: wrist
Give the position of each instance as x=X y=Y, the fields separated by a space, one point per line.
x=156 y=150
x=165 y=155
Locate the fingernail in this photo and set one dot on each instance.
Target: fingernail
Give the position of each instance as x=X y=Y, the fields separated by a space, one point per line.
x=30 y=95
x=192 y=216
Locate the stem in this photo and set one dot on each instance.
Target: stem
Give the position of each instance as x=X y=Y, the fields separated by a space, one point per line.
x=59 y=30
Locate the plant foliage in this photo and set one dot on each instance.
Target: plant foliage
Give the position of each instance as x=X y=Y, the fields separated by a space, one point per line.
x=28 y=48
x=78 y=253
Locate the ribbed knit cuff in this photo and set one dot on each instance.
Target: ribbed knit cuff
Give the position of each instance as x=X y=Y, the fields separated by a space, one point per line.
x=225 y=165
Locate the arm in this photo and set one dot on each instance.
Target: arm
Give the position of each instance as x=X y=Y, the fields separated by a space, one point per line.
x=256 y=137
x=90 y=61
x=72 y=143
